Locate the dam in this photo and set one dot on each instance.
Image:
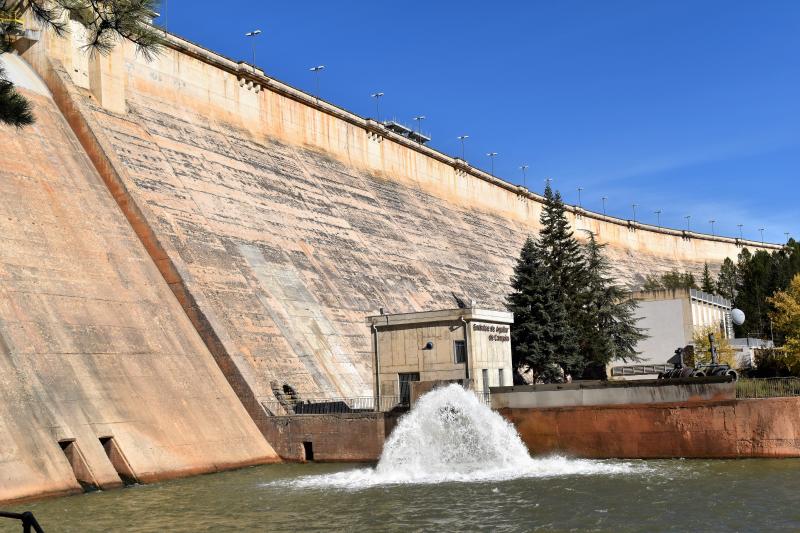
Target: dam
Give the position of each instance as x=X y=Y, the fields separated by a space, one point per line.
x=185 y=237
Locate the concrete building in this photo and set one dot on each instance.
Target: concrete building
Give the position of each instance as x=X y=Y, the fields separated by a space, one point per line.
x=469 y=345
x=671 y=318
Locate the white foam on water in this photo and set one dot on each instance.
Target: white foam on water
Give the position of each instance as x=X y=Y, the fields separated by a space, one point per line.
x=450 y=436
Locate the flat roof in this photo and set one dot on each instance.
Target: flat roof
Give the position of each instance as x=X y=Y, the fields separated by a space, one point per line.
x=442 y=315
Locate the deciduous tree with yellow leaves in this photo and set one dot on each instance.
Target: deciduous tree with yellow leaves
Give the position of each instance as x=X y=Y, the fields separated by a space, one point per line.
x=786 y=314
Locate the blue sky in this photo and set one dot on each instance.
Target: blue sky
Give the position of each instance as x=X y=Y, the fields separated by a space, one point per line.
x=688 y=107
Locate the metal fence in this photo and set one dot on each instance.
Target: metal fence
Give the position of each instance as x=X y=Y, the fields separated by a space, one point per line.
x=325 y=406
x=360 y=404
x=767 y=387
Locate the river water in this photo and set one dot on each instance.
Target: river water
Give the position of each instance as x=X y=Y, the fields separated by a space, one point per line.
x=451 y=465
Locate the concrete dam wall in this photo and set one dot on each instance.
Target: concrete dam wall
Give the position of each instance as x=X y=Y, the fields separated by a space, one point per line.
x=280 y=221
x=183 y=232
x=103 y=378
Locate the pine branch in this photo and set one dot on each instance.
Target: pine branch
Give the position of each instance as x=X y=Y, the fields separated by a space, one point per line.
x=15 y=109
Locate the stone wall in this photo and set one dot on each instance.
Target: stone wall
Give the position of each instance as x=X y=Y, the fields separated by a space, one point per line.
x=93 y=344
x=350 y=437
x=716 y=429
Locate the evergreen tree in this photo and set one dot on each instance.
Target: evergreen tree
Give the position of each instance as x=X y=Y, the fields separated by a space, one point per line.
x=727 y=279
x=669 y=281
x=565 y=262
x=759 y=276
x=707 y=283
x=105 y=22
x=562 y=253
x=568 y=313
x=609 y=330
x=542 y=339
x=15 y=109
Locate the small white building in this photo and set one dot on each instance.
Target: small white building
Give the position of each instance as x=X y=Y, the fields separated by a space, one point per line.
x=471 y=346
x=671 y=318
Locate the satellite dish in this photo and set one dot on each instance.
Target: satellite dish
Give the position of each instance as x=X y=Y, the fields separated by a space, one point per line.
x=737 y=315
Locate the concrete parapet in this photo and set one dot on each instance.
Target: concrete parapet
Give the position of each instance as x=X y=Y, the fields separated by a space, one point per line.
x=613 y=393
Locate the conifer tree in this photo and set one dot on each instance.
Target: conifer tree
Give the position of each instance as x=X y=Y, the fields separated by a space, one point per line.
x=707 y=283
x=727 y=280
x=562 y=252
x=542 y=339
x=609 y=331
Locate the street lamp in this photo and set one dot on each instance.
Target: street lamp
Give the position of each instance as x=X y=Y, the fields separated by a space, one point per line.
x=253 y=34
x=688 y=221
x=524 y=169
x=658 y=217
x=634 y=211
x=491 y=156
x=604 y=204
x=377 y=97
x=462 y=138
x=787 y=235
x=741 y=238
x=762 y=235
x=316 y=70
x=419 y=119
x=712 y=226
x=579 y=196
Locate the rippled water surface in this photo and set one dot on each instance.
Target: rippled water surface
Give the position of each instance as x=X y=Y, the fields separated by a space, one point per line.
x=452 y=464
x=745 y=495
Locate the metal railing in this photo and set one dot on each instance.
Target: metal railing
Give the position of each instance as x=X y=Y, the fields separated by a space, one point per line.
x=767 y=387
x=358 y=404
x=27 y=520
x=325 y=406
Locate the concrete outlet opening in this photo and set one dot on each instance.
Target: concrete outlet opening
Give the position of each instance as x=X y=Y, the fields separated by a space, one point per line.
x=308 y=450
x=118 y=460
x=79 y=467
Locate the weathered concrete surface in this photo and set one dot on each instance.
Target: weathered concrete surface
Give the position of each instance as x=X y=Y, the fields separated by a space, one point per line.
x=92 y=342
x=723 y=429
x=281 y=222
x=613 y=392
x=346 y=437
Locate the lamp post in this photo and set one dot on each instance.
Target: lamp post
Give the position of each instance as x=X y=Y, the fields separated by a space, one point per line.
x=253 y=34
x=419 y=119
x=524 y=169
x=604 y=204
x=741 y=238
x=491 y=156
x=688 y=221
x=316 y=70
x=633 y=206
x=579 y=196
x=658 y=218
x=762 y=235
x=787 y=235
x=377 y=97
x=462 y=138
x=712 y=226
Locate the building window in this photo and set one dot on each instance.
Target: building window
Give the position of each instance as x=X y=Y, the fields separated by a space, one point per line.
x=500 y=381
x=485 y=376
x=460 y=351
x=405 y=386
